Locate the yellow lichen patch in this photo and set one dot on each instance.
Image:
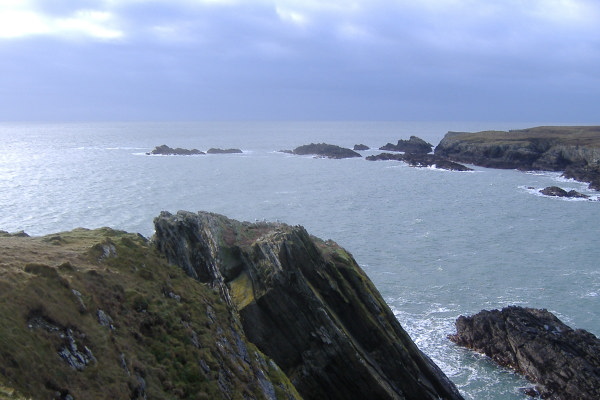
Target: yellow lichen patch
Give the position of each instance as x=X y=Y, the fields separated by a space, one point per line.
x=242 y=290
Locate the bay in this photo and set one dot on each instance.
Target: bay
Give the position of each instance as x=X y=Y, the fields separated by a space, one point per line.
x=437 y=244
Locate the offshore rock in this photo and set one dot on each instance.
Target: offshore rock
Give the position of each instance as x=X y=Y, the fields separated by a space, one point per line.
x=564 y=363
x=421 y=160
x=560 y=192
x=224 y=151
x=574 y=150
x=360 y=147
x=413 y=145
x=165 y=150
x=306 y=304
x=325 y=150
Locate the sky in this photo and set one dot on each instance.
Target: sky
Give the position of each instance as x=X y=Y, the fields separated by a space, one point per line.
x=399 y=60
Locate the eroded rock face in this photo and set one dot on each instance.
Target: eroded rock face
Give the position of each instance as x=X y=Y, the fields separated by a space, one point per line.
x=565 y=363
x=306 y=304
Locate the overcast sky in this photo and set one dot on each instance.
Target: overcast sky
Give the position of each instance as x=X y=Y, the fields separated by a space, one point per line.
x=460 y=60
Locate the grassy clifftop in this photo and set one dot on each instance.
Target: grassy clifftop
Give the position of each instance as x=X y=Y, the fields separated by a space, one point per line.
x=566 y=135
x=98 y=314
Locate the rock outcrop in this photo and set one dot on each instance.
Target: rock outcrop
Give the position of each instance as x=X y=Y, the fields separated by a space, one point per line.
x=324 y=150
x=306 y=304
x=413 y=145
x=574 y=150
x=360 y=147
x=560 y=192
x=165 y=150
x=223 y=151
x=564 y=363
x=420 y=160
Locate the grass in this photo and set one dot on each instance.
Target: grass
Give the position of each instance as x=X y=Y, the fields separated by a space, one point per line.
x=167 y=329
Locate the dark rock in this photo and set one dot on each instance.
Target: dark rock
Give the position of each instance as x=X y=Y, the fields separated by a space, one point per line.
x=224 y=151
x=325 y=150
x=575 y=150
x=360 y=147
x=564 y=363
x=306 y=304
x=15 y=234
x=421 y=160
x=165 y=150
x=559 y=192
x=414 y=145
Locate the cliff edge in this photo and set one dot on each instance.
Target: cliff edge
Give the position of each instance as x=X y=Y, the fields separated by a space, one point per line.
x=306 y=304
x=573 y=150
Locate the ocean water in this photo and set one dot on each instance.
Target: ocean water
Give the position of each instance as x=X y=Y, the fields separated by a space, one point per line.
x=437 y=244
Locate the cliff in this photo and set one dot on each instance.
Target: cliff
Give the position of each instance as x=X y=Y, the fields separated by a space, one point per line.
x=306 y=304
x=211 y=308
x=574 y=150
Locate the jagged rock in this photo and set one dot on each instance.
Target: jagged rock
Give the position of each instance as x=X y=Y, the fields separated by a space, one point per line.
x=421 y=160
x=306 y=304
x=360 y=147
x=413 y=145
x=575 y=150
x=165 y=150
x=325 y=150
x=564 y=363
x=559 y=192
x=224 y=151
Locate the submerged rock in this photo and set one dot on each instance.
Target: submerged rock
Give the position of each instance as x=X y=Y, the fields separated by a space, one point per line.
x=564 y=363
x=306 y=304
x=414 y=145
x=325 y=150
x=165 y=150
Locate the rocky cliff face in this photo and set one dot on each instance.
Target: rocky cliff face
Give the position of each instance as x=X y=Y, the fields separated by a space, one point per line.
x=306 y=304
x=574 y=150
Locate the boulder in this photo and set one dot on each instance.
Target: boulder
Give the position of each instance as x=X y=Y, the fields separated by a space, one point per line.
x=306 y=304
x=413 y=145
x=563 y=362
x=360 y=147
x=325 y=150
x=165 y=150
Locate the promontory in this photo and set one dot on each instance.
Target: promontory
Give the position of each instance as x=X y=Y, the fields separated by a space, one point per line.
x=209 y=308
x=573 y=150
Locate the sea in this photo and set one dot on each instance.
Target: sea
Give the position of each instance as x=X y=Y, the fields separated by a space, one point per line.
x=437 y=244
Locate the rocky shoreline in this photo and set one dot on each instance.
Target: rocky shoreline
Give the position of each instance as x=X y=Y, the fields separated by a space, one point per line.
x=564 y=363
x=572 y=150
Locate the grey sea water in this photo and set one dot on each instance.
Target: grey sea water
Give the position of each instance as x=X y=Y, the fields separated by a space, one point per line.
x=437 y=244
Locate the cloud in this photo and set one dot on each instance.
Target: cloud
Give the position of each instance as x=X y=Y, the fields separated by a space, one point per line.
x=365 y=58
